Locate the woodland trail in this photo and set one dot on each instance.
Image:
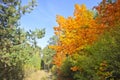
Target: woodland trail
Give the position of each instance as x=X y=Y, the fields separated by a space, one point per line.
x=39 y=75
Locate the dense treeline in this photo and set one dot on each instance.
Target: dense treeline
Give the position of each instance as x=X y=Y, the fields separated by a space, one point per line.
x=88 y=46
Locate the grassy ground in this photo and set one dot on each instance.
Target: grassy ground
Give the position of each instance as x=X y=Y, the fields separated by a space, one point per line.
x=39 y=75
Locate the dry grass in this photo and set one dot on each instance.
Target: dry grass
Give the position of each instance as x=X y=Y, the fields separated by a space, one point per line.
x=39 y=75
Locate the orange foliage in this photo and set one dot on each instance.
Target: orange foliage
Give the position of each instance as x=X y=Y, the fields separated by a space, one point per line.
x=82 y=29
x=58 y=59
x=109 y=13
x=75 y=32
x=75 y=68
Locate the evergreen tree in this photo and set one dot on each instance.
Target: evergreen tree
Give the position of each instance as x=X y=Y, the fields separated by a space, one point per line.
x=13 y=39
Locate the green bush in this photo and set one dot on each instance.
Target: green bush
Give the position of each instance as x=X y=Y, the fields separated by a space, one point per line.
x=65 y=73
x=100 y=61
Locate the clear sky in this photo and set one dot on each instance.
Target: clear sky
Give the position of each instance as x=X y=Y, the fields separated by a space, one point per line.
x=44 y=15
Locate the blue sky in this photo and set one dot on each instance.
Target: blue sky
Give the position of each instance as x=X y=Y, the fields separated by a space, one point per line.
x=44 y=15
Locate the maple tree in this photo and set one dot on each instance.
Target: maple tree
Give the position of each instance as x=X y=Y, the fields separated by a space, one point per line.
x=75 y=32
x=82 y=29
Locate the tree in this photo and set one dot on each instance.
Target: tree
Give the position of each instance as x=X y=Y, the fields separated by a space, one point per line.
x=48 y=53
x=47 y=57
x=53 y=40
x=90 y=42
x=109 y=12
x=13 y=39
x=74 y=33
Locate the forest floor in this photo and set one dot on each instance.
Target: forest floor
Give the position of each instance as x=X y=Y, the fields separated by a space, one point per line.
x=40 y=75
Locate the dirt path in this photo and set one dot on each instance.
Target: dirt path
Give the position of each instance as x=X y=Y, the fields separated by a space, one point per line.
x=39 y=75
